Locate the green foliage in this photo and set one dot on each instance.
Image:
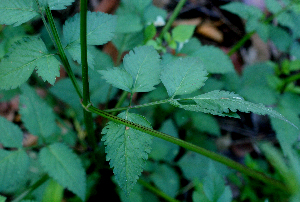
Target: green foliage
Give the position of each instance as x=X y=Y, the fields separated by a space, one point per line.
x=11 y=135
x=17 y=12
x=64 y=167
x=141 y=71
x=13 y=168
x=24 y=57
x=183 y=76
x=163 y=71
x=37 y=116
x=127 y=149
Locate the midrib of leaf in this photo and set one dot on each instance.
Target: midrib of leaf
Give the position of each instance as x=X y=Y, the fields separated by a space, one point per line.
x=136 y=78
x=21 y=9
x=60 y=162
x=23 y=66
x=125 y=146
x=181 y=81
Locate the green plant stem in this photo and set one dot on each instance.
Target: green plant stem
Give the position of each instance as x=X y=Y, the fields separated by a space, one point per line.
x=28 y=191
x=138 y=106
x=88 y=119
x=241 y=42
x=222 y=159
x=172 y=18
x=157 y=191
x=120 y=102
x=61 y=51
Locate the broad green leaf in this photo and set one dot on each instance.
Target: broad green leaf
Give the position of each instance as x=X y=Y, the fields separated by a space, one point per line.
x=54 y=192
x=2 y=198
x=281 y=38
x=56 y=4
x=206 y=123
x=65 y=167
x=214 y=60
x=138 y=5
x=17 y=12
x=273 y=6
x=262 y=29
x=118 y=77
x=191 y=46
x=143 y=64
x=149 y=32
x=75 y=51
x=13 y=168
x=166 y=179
x=195 y=166
x=10 y=135
x=182 y=33
x=25 y=56
x=242 y=10
x=286 y=134
x=129 y=22
x=183 y=76
x=37 y=116
x=127 y=149
x=161 y=149
x=100 y=28
x=225 y=103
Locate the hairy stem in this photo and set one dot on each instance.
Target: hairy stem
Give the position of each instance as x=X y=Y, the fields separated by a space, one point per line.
x=61 y=51
x=212 y=155
x=172 y=18
x=157 y=191
x=88 y=119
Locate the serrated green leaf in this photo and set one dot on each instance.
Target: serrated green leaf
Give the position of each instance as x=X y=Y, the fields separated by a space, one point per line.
x=161 y=149
x=10 y=135
x=13 y=168
x=75 y=51
x=183 y=76
x=138 y=5
x=214 y=60
x=273 y=6
x=17 y=12
x=37 y=116
x=242 y=10
x=281 y=38
x=65 y=167
x=181 y=33
x=166 y=179
x=153 y=14
x=118 y=78
x=25 y=56
x=129 y=22
x=100 y=28
x=206 y=123
x=56 y=4
x=127 y=149
x=191 y=46
x=143 y=64
x=225 y=103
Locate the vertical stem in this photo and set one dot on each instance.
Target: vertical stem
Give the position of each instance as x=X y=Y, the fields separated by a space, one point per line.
x=172 y=18
x=61 y=51
x=88 y=119
x=240 y=43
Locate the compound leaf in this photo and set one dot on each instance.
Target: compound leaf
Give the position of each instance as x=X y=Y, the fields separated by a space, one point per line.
x=214 y=60
x=17 y=12
x=10 y=135
x=13 y=168
x=127 y=149
x=183 y=76
x=26 y=55
x=37 y=116
x=143 y=64
x=65 y=167
x=118 y=77
x=225 y=103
